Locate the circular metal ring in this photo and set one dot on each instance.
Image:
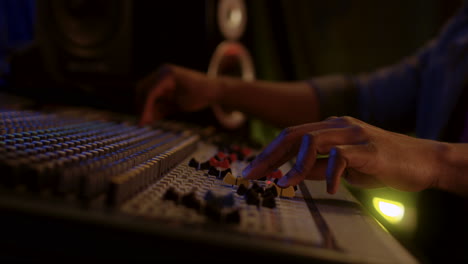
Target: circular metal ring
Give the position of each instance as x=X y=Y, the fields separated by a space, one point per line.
x=226 y=55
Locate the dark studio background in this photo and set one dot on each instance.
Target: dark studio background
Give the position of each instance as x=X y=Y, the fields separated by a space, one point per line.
x=92 y=53
x=84 y=49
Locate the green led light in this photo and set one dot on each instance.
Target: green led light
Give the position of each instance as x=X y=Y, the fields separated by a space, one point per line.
x=392 y=211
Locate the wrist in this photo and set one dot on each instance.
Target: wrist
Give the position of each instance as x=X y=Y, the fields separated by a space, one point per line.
x=217 y=90
x=222 y=92
x=453 y=170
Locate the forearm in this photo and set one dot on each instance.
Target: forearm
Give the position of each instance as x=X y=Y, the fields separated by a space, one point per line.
x=279 y=103
x=453 y=175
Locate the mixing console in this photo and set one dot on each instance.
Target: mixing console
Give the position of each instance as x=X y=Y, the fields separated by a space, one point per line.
x=166 y=172
x=177 y=181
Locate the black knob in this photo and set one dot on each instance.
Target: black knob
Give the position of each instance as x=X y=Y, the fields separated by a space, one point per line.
x=223 y=173
x=228 y=200
x=242 y=189
x=171 y=194
x=233 y=217
x=271 y=190
x=205 y=165
x=269 y=201
x=190 y=201
x=193 y=163
x=257 y=188
x=213 y=212
x=251 y=197
x=213 y=171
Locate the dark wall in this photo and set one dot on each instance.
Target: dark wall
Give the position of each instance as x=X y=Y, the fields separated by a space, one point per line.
x=288 y=39
x=300 y=38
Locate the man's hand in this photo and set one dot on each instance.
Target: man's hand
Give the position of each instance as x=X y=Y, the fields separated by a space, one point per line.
x=366 y=156
x=171 y=89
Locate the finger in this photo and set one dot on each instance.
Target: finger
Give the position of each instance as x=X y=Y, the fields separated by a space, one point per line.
x=282 y=149
x=317 y=173
x=336 y=166
x=320 y=141
x=151 y=110
x=342 y=157
x=161 y=73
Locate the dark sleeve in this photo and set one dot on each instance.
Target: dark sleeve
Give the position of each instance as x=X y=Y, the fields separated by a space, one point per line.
x=389 y=97
x=386 y=97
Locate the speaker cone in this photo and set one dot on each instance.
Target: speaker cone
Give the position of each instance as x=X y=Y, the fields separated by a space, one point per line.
x=85 y=27
x=232 y=18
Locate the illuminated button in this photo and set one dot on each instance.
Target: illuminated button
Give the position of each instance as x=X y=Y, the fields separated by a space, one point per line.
x=392 y=211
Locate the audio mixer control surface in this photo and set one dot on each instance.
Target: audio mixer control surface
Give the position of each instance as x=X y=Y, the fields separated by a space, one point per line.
x=84 y=184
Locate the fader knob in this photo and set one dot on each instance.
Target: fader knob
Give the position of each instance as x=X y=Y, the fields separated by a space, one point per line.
x=171 y=194
x=251 y=197
x=233 y=217
x=242 y=189
x=190 y=201
x=269 y=201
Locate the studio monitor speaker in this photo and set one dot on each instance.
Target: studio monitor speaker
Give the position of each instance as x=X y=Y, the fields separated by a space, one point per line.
x=231 y=57
x=85 y=49
x=83 y=38
x=93 y=51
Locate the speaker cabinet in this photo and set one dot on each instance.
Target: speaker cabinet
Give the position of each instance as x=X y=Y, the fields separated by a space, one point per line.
x=85 y=41
x=231 y=57
x=92 y=52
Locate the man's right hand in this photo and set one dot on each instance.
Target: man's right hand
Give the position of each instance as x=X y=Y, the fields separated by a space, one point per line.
x=171 y=89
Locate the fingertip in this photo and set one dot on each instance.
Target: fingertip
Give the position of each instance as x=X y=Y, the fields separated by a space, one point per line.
x=332 y=183
x=333 y=152
x=283 y=182
x=331 y=189
x=246 y=172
